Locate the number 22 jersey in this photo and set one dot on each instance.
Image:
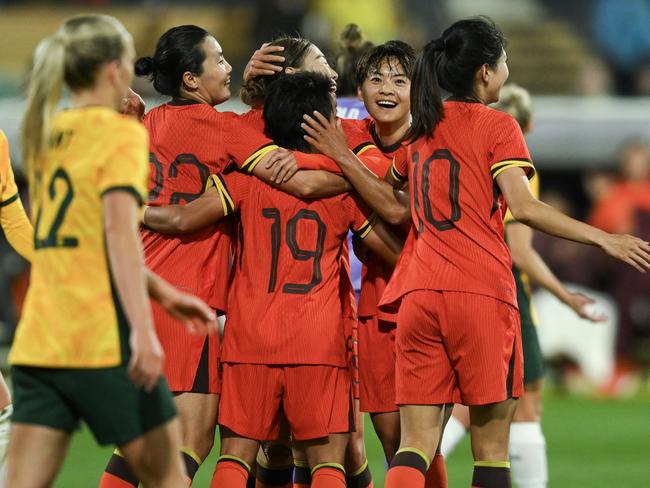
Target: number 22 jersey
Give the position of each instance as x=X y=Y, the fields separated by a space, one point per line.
x=456 y=205
x=285 y=300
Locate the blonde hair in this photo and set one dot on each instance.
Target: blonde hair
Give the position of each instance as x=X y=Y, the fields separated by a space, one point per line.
x=516 y=101
x=72 y=56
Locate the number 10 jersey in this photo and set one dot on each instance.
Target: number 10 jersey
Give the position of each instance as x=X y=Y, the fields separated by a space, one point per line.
x=456 y=206
x=285 y=301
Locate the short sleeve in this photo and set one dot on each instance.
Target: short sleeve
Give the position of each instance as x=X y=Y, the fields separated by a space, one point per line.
x=245 y=141
x=399 y=166
x=126 y=167
x=507 y=147
x=232 y=189
x=362 y=217
x=9 y=190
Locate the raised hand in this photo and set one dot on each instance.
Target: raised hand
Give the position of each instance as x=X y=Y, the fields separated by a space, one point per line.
x=629 y=249
x=133 y=105
x=327 y=136
x=264 y=62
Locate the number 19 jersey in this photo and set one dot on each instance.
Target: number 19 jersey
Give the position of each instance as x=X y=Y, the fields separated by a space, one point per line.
x=285 y=301
x=456 y=205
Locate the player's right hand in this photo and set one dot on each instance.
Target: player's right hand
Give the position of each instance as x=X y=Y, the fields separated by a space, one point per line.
x=264 y=62
x=583 y=306
x=147 y=356
x=284 y=165
x=133 y=105
x=629 y=249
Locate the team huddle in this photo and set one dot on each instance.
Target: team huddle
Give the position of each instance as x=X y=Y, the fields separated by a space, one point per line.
x=247 y=216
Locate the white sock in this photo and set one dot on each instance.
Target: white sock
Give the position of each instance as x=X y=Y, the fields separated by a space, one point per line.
x=528 y=455
x=453 y=434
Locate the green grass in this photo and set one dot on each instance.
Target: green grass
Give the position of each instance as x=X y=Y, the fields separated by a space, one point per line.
x=591 y=443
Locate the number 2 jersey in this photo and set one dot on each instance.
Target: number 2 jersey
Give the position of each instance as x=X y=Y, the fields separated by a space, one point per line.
x=187 y=146
x=456 y=205
x=285 y=304
x=72 y=316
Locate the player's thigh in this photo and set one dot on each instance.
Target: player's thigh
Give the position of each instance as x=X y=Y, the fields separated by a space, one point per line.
x=490 y=429
x=154 y=455
x=317 y=401
x=423 y=373
x=529 y=406
x=421 y=427
x=387 y=428
x=35 y=455
x=329 y=449
x=197 y=413
x=483 y=340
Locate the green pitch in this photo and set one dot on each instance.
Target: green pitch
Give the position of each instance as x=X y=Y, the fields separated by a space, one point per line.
x=590 y=443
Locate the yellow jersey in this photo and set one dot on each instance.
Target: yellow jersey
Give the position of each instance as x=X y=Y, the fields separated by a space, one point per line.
x=72 y=317
x=534 y=189
x=13 y=220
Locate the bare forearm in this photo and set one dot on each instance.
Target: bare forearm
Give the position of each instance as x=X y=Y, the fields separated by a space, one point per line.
x=531 y=263
x=545 y=218
x=127 y=267
x=316 y=184
x=377 y=193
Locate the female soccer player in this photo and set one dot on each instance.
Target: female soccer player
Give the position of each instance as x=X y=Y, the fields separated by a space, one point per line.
x=252 y=343
x=527 y=443
x=185 y=147
x=85 y=348
x=458 y=337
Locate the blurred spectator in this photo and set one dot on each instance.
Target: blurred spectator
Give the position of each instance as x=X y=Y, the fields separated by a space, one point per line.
x=623 y=206
x=621 y=33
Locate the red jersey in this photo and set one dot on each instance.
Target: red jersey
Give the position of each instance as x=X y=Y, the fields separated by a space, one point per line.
x=285 y=302
x=186 y=147
x=456 y=206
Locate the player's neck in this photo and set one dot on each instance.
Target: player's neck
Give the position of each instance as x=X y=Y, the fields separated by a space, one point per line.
x=391 y=133
x=94 y=97
x=196 y=96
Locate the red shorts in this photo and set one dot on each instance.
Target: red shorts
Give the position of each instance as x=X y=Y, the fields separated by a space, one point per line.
x=191 y=361
x=455 y=347
x=353 y=358
x=316 y=400
x=377 y=365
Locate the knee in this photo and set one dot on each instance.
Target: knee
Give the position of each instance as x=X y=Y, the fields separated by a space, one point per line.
x=200 y=443
x=355 y=453
x=277 y=455
x=490 y=449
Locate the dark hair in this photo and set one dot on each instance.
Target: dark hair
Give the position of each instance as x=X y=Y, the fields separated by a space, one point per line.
x=451 y=62
x=390 y=51
x=352 y=48
x=253 y=93
x=288 y=98
x=178 y=50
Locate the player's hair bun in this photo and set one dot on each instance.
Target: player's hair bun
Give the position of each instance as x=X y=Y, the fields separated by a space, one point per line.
x=145 y=66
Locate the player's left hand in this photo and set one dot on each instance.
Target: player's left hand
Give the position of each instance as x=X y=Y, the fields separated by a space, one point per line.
x=283 y=162
x=133 y=105
x=326 y=135
x=197 y=317
x=581 y=305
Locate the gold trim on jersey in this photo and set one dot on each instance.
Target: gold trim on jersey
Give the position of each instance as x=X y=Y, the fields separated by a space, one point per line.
x=366 y=227
x=256 y=157
x=363 y=147
x=394 y=172
x=9 y=200
x=497 y=168
x=224 y=196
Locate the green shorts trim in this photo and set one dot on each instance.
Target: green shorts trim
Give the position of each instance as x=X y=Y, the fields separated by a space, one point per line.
x=115 y=410
x=533 y=358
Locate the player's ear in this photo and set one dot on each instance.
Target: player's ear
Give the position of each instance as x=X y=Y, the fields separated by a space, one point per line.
x=291 y=71
x=190 y=80
x=359 y=94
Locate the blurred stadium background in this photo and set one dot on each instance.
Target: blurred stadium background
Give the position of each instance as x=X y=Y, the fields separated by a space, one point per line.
x=587 y=65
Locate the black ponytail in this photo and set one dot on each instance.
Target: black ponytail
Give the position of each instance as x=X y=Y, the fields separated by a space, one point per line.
x=451 y=63
x=178 y=50
x=426 y=100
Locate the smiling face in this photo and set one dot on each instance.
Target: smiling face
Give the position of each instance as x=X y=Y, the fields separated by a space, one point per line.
x=214 y=82
x=315 y=61
x=386 y=92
